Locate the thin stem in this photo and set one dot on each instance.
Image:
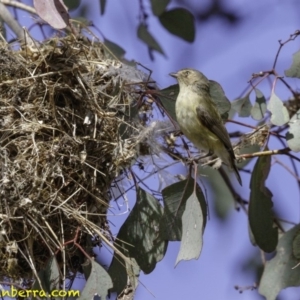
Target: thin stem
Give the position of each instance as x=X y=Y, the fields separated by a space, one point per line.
x=19 y=5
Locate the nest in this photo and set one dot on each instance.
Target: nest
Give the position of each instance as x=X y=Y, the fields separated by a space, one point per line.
x=68 y=126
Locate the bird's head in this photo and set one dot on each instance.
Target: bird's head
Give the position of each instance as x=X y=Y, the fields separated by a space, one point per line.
x=189 y=77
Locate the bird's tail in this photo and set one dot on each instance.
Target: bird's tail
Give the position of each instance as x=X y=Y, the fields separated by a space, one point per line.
x=228 y=159
x=236 y=172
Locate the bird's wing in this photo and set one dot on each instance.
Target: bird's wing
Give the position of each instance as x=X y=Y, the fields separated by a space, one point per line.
x=214 y=123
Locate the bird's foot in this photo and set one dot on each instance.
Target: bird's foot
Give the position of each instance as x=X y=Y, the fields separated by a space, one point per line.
x=195 y=160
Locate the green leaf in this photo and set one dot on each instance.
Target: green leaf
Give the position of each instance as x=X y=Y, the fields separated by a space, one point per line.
x=260 y=106
x=55 y=13
x=102 y=6
x=159 y=6
x=97 y=281
x=121 y=271
x=260 y=205
x=118 y=273
x=293 y=135
x=218 y=96
x=180 y=22
x=168 y=98
x=251 y=236
x=118 y=51
x=133 y=272
x=144 y=35
x=49 y=277
x=222 y=198
x=294 y=70
x=280 y=115
x=140 y=237
x=242 y=106
x=175 y=197
x=281 y=271
x=247 y=149
x=193 y=223
x=72 y=4
x=296 y=246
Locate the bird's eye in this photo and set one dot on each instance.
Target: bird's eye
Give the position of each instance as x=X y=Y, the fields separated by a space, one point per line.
x=187 y=73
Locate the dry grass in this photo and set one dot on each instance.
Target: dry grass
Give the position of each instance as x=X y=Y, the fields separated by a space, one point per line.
x=68 y=126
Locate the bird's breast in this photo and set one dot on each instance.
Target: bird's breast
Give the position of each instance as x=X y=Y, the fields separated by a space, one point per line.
x=190 y=125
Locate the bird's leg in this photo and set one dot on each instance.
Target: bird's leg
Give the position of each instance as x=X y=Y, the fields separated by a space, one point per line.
x=197 y=159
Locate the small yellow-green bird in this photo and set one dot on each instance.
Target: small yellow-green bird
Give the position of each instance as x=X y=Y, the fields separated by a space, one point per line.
x=199 y=119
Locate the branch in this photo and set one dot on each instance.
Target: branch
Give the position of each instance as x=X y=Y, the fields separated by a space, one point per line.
x=281 y=44
x=11 y=22
x=266 y=153
x=6 y=16
x=19 y=5
x=287 y=168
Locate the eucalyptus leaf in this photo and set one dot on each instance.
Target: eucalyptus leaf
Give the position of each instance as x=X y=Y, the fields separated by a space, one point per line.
x=49 y=277
x=282 y=270
x=242 y=106
x=55 y=13
x=223 y=201
x=296 y=245
x=192 y=230
x=260 y=207
x=251 y=236
x=280 y=114
x=133 y=272
x=72 y=4
x=52 y=275
x=294 y=70
x=140 y=237
x=118 y=273
x=148 y=39
x=127 y=275
x=248 y=149
x=260 y=107
x=168 y=98
x=175 y=197
x=159 y=6
x=97 y=281
x=180 y=22
x=118 y=51
x=293 y=135
x=102 y=6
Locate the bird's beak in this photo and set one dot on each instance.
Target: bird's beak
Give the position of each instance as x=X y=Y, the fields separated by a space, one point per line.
x=175 y=75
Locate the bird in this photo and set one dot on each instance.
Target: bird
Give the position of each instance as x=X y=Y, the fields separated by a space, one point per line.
x=199 y=119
